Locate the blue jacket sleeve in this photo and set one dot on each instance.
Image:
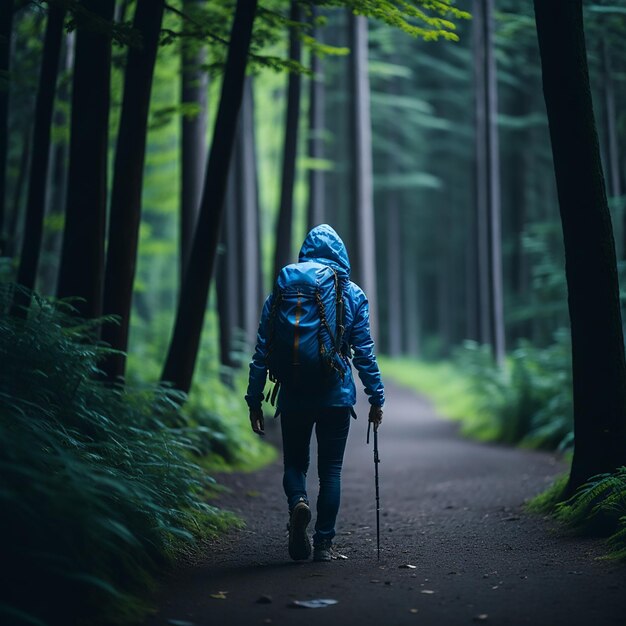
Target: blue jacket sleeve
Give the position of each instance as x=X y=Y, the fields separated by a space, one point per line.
x=258 y=369
x=364 y=358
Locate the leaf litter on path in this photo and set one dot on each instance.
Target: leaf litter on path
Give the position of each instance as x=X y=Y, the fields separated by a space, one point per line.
x=220 y=595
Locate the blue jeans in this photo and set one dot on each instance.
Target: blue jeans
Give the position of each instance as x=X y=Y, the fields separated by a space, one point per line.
x=331 y=429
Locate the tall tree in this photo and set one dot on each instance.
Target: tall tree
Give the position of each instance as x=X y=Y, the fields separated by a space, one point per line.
x=362 y=213
x=6 y=25
x=44 y=105
x=81 y=272
x=194 y=91
x=251 y=275
x=598 y=363
x=227 y=279
x=57 y=172
x=491 y=316
x=14 y=223
x=183 y=349
x=611 y=134
x=282 y=254
x=125 y=212
x=315 y=214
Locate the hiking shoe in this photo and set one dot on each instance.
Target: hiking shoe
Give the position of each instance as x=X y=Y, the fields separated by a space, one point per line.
x=299 y=542
x=322 y=551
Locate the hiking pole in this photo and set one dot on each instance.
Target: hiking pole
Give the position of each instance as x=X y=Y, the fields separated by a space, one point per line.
x=376 y=462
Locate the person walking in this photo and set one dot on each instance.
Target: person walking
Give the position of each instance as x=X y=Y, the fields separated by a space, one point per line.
x=315 y=322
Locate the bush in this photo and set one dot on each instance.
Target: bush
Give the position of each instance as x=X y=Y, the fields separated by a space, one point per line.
x=98 y=490
x=528 y=401
x=599 y=508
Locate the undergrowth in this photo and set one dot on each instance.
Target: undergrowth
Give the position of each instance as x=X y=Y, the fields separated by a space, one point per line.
x=100 y=487
x=598 y=509
x=527 y=402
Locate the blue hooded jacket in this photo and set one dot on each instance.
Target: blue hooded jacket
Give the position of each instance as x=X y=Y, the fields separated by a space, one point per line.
x=324 y=245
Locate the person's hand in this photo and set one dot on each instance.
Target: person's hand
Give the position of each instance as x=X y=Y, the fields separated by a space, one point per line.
x=376 y=415
x=257 y=421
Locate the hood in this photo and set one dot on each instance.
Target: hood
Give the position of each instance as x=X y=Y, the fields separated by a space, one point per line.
x=324 y=245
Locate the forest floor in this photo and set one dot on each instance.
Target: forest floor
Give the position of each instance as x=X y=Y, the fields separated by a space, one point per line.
x=451 y=507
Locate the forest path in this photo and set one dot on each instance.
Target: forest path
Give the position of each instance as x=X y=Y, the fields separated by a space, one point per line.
x=449 y=506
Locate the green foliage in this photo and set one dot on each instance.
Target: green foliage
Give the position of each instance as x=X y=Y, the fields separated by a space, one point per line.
x=528 y=402
x=547 y=500
x=447 y=386
x=427 y=19
x=599 y=508
x=98 y=490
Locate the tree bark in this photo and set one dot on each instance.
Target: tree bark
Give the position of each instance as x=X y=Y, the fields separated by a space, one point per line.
x=227 y=275
x=249 y=221
x=125 y=212
x=14 y=226
x=489 y=254
x=394 y=275
x=599 y=368
x=282 y=255
x=612 y=144
x=36 y=195
x=362 y=213
x=57 y=182
x=81 y=273
x=315 y=214
x=6 y=25
x=194 y=86
x=410 y=298
x=183 y=350
x=226 y=278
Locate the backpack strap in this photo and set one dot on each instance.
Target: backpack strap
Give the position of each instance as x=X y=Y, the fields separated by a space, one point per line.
x=339 y=313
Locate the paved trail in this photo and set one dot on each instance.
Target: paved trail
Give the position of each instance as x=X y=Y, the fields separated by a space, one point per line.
x=451 y=507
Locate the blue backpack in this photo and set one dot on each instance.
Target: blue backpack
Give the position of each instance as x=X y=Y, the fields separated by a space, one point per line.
x=306 y=326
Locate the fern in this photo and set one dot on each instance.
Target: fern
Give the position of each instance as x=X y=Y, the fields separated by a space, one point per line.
x=98 y=489
x=599 y=508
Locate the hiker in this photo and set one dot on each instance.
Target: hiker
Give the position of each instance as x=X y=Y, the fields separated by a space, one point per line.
x=312 y=325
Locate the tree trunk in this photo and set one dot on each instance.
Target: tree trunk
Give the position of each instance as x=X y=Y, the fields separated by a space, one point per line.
x=183 y=350
x=315 y=214
x=194 y=86
x=599 y=368
x=36 y=195
x=394 y=275
x=227 y=275
x=81 y=272
x=282 y=255
x=6 y=24
x=491 y=316
x=612 y=146
x=410 y=298
x=480 y=178
x=15 y=226
x=57 y=183
x=125 y=212
x=363 y=240
x=520 y=165
x=249 y=223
